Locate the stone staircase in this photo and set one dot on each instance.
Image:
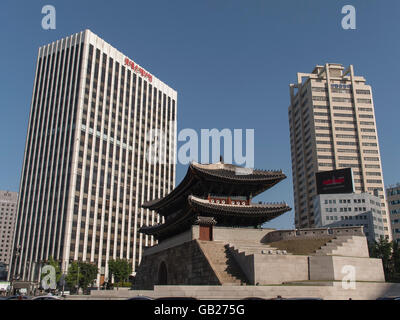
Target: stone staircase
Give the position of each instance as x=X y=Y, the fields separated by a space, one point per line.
x=349 y=246
x=254 y=248
x=222 y=262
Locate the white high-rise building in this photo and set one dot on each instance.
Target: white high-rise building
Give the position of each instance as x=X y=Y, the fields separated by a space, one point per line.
x=332 y=126
x=86 y=171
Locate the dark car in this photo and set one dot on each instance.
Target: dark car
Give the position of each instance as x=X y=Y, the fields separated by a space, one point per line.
x=311 y=298
x=176 y=298
x=48 y=297
x=305 y=298
x=140 y=298
x=388 y=298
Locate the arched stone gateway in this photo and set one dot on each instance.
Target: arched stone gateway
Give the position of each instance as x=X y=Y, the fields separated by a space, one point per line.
x=162 y=274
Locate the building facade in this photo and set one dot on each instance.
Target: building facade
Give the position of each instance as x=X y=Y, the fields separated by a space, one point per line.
x=8 y=211
x=348 y=210
x=332 y=126
x=393 y=199
x=100 y=141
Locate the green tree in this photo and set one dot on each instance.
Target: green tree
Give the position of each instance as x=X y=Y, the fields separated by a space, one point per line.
x=389 y=252
x=396 y=262
x=81 y=275
x=382 y=249
x=120 y=269
x=56 y=265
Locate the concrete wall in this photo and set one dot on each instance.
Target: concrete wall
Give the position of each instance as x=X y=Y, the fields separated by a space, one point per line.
x=321 y=268
x=327 y=291
x=265 y=269
x=276 y=269
x=331 y=267
x=239 y=234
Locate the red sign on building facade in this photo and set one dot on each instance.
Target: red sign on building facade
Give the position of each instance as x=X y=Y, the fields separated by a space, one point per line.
x=138 y=69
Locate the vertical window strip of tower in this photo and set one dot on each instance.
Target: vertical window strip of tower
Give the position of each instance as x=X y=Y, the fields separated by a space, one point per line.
x=27 y=183
x=37 y=236
x=136 y=169
x=41 y=148
x=142 y=148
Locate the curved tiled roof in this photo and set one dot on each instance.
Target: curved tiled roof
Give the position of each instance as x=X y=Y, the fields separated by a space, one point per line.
x=170 y=227
x=267 y=211
x=235 y=173
x=222 y=174
x=224 y=214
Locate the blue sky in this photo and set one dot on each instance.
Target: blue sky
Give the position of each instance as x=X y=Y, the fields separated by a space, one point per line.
x=230 y=61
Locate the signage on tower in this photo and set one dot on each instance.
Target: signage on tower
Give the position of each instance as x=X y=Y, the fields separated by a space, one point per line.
x=335 y=181
x=138 y=69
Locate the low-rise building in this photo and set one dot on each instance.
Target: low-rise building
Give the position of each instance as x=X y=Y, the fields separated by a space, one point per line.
x=350 y=209
x=393 y=199
x=8 y=209
x=3 y=271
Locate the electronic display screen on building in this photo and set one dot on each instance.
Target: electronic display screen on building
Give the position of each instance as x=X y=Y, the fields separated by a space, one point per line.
x=335 y=181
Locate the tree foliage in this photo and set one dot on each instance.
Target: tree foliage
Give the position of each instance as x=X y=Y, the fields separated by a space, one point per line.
x=396 y=262
x=389 y=252
x=56 y=265
x=81 y=274
x=120 y=269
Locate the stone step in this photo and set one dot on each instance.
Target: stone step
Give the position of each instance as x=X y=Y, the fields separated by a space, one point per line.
x=270 y=250
x=336 y=244
x=263 y=246
x=221 y=262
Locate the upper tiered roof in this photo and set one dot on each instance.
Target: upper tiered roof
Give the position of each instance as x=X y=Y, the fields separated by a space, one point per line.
x=194 y=197
x=218 y=178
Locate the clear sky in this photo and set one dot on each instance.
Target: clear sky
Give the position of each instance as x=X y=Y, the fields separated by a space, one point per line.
x=231 y=62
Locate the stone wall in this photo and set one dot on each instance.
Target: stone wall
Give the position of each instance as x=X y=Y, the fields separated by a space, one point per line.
x=239 y=234
x=185 y=264
x=219 y=234
x=171 y=242
x=325 y=265
x=327 y=291
x=277 y=269
x=331 y=268
x=265 y=269
x=312 y=233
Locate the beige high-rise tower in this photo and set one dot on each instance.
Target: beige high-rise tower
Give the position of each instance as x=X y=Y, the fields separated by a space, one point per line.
x=332 y=126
